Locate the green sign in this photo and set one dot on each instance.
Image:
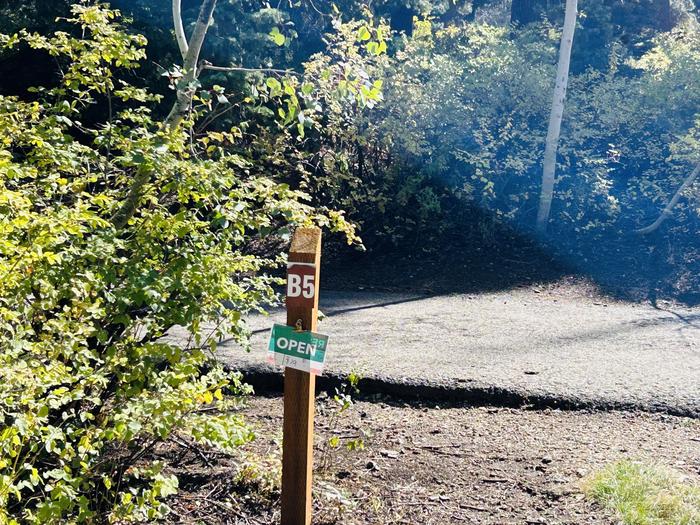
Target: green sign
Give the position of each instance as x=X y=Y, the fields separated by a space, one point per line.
x=301 y=350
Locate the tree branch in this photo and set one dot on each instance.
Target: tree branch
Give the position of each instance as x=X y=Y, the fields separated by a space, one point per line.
x=128 y=207
x=179 y=29
x=668 y=210
x=204 y=20
x=207 y=65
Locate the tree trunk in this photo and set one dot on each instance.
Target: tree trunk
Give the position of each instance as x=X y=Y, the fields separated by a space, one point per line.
x=179 y=29
x=550 y=153
x=184 y=94
x=668 y=210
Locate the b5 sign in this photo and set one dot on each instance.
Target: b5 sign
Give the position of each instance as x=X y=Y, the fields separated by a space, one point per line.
x=301 y=285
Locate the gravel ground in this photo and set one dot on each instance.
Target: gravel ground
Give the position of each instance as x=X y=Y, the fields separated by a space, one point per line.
x=552 y=342
x=559 y=343
x=433 y=463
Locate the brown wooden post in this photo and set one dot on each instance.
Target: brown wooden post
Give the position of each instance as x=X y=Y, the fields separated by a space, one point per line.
x=299 y=393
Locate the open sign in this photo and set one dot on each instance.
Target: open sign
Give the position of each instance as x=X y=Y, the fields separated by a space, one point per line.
x=304 y=351
x=301 y=285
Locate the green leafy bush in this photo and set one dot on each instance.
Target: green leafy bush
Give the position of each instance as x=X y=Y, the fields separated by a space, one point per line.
x=93 y=279
x=465 y=116
x=460 y=136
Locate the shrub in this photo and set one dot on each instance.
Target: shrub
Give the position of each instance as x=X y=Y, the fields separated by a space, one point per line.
x=88 y=385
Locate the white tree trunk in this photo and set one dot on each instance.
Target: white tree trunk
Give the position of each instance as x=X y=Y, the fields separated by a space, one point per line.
x=182 y=103
x=190 y=63
x=668 y=210
x=179 y=29
x=549 y=165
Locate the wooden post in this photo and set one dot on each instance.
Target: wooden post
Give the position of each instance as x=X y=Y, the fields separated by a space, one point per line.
x=299 y=393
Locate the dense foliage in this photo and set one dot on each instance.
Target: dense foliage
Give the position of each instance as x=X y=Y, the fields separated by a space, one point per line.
x=466 y=110
x=92 y=279
x=463 y=125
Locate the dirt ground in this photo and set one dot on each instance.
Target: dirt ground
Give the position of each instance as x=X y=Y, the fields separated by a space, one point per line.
x=433 y=465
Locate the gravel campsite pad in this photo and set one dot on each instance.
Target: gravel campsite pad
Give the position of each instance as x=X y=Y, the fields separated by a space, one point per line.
x=564 y=344
x=439 y=465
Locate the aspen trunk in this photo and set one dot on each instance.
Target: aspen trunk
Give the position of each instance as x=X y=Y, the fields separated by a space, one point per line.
x=550 y=153
x=190 y=62
x=190 y=51
x=179 y=29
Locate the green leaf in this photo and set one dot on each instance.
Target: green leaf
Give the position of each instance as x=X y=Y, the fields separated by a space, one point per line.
x=273 y=84
x=364 y=34
x=277 y=37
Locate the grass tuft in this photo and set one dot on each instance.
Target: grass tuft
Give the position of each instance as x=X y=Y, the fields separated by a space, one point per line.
x=643 y=494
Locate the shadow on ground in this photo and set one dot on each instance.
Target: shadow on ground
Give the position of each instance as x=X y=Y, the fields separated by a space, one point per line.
x=625 y=267
x=510 y=262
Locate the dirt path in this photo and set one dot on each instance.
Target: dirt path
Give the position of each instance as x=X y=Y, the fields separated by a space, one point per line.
x=529 y=343
x=436 y=465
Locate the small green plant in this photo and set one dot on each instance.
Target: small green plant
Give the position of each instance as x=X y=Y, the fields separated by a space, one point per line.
x=643 y=494
x=262 y=472
x=340 y=403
